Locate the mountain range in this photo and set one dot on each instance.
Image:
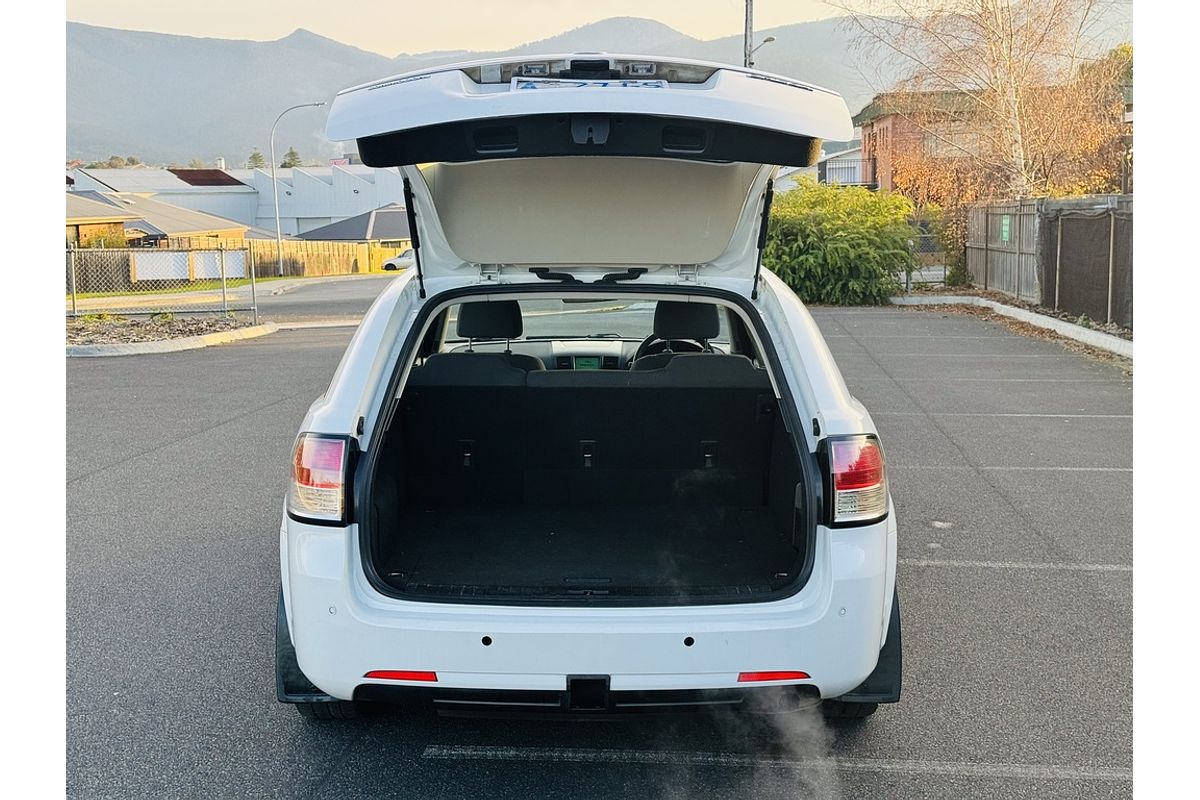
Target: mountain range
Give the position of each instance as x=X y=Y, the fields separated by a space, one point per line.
x=170 y=98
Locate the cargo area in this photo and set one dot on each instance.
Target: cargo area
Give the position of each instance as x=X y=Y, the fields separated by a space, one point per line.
x=665 y=485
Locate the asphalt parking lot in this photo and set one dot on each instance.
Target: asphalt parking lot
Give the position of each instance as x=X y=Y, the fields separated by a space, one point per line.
x=1010 y=464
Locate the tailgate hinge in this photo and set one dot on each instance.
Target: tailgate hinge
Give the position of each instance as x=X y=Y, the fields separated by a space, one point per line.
x=489 y=272
x=687 y=272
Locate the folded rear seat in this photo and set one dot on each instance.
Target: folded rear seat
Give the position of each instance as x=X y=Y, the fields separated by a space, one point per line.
x=464 y=428
x=701 y=424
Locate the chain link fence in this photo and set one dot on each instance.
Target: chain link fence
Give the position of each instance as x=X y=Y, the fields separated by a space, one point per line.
x=155 y=280
x=930 y=269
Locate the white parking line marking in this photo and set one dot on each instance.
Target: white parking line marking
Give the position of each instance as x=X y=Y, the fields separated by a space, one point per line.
x=971 y=467
x=958 y=769
x=967 y=355
x=924 y=336
x=1010 y=380
x=932 y=562
x=987 y=414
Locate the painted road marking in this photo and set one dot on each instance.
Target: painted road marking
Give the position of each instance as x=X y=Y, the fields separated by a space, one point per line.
x=972 y=467
x=932 y=562
x=967 y=769
x=987 y=414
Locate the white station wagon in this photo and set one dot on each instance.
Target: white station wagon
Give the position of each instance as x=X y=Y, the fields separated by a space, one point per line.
x=586 y=456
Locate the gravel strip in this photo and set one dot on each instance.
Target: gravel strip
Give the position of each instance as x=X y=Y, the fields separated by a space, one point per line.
x=119 y=330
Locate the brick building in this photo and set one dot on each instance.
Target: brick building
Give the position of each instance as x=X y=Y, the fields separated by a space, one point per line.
x=898 y=122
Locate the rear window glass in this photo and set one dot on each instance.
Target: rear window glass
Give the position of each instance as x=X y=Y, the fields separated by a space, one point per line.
x=600 y=319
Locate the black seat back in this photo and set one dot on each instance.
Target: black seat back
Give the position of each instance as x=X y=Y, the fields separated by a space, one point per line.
x=463 y=422
x=698 y=428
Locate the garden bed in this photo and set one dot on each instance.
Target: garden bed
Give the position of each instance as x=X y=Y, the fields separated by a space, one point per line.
x=112 y=329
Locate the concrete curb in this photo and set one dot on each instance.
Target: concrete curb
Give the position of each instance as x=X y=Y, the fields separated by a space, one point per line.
x=169 y=345
x=1102 y=341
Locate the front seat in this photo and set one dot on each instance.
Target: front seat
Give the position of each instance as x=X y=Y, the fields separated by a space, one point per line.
x=679 y=325
x=499 y=319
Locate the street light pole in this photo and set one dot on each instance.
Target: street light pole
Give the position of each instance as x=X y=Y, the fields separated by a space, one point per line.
x=275 y=185
x=748 y=37
x=758 y=47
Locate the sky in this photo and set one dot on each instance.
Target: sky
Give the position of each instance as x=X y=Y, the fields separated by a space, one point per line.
x=405 y=26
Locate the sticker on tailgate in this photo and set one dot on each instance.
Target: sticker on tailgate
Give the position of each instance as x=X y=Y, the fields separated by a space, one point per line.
x=560 y=83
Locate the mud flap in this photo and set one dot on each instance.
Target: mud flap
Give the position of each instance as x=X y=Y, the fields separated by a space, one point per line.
x=291 y=685
x=883 y=684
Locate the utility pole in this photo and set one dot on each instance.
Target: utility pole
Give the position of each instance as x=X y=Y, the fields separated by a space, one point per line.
x=748 y=38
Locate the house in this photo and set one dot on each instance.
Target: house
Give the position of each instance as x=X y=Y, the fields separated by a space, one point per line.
x=89 y=220
x=847 y=168
x=309 y=197
x=211 y=191
x=387 y=226
x=147 y=220
x=896 y=122
x=844 y=168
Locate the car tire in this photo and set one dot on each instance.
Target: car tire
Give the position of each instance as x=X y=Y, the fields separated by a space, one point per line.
x=338 y=709
x=841 y=710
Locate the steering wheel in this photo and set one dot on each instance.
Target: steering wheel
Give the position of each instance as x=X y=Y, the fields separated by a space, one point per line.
x=652 y=344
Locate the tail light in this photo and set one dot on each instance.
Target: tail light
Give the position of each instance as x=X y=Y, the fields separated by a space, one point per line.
x=858 y=480
x=777 y=675
x=402 y=675
x=318 y=486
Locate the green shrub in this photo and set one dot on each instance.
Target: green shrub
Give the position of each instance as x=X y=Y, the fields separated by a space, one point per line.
x=838 y=245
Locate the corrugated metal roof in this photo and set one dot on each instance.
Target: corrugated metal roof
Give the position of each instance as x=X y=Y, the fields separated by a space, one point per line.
x=205 y=177
x=152 y=179
x=849 y=152
x=162 y=218
x=81 y=208
x=389 y=222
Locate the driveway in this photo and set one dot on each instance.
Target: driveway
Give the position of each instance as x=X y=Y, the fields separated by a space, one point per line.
x=1010 y=466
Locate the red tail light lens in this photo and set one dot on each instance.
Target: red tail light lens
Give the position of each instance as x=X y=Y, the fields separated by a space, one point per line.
x=859 y=479
x=318 y=478
x=402 y=675
x=778 y=675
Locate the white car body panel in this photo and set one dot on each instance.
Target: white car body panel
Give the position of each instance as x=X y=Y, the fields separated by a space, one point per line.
x=445 y=94
x=342 y=627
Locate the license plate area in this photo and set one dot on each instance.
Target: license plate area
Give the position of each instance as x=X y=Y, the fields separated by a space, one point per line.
x=587 y=693
x=528 y=84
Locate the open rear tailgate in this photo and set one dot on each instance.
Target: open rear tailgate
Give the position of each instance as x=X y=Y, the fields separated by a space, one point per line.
x=589 y=105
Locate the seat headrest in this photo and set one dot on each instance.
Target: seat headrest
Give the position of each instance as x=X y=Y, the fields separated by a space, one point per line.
x=674 y=320
x=499 y=319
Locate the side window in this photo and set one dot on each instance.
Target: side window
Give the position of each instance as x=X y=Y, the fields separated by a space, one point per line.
x=724 y=335
x=740 y=341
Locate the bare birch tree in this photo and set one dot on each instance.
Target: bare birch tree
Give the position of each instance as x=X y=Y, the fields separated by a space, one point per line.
x=997 y=82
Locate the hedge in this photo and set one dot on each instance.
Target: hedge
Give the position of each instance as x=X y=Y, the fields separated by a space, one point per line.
x=840 y=245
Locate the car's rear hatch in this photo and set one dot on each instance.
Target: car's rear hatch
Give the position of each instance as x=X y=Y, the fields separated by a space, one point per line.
x=588 y=163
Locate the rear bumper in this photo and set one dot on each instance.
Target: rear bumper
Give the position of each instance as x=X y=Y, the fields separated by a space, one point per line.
x=341 y=629
x=587 y=703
